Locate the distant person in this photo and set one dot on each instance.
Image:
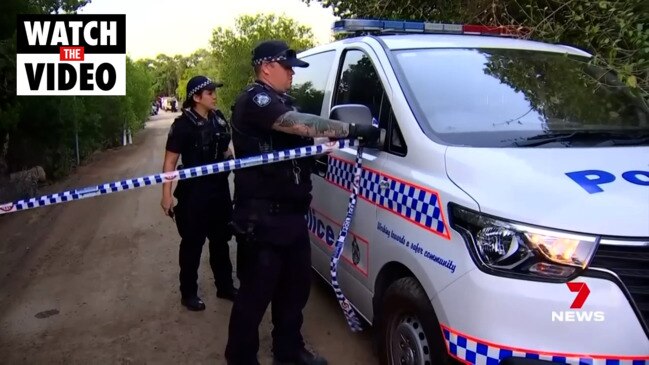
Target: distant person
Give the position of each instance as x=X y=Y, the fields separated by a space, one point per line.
x=200 y=136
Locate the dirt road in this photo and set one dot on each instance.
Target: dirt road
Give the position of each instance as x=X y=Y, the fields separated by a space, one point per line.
x=95 y=281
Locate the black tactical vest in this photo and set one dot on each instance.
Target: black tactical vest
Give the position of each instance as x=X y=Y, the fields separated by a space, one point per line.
x=208 y=141
x=287 y=181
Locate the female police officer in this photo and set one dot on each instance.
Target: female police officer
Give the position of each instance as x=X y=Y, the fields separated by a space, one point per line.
x=200 y=135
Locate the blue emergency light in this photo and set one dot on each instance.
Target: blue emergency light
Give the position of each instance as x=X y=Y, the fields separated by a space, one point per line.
x=375 y=26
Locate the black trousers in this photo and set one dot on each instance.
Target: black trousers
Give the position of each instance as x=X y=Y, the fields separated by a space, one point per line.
x=198 y=219
x=276 y=268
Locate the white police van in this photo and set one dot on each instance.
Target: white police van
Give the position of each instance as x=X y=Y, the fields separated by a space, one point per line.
x=505 y=219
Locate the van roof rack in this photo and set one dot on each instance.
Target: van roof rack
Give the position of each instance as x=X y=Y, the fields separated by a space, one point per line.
x=359 y=27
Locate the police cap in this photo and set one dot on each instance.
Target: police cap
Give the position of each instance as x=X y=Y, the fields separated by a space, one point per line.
x=276 y=51
x=196 y=85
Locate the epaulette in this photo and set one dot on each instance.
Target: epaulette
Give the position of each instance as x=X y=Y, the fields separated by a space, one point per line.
x=254 y=88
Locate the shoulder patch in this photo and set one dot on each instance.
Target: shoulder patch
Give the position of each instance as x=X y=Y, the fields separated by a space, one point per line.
x=262 y=99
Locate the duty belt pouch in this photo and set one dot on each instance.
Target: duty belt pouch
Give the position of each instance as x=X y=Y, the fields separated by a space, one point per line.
x=244 y=226
x=268 y=224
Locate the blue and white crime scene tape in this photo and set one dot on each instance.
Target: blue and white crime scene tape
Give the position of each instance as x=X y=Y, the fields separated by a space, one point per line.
x=348 y=310
x=290 y=154
x=188 y=173
x=350 y=315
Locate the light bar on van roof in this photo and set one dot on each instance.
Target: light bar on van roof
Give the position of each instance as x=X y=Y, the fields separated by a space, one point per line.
x=353 y=26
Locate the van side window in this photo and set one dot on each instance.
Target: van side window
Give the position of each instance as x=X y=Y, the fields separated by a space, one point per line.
x=359 y=83
x=309 y=83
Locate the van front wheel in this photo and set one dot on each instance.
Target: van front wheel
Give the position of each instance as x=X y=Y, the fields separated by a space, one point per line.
x=409 y=330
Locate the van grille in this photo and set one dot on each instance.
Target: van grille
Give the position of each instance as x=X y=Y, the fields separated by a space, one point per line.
x=631 y=264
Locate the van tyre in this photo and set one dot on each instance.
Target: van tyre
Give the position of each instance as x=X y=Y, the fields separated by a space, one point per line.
x=409 y=332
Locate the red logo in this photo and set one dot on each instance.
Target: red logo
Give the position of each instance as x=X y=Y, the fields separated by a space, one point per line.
x=582 y=294
x=170 y=176
x=6 y=207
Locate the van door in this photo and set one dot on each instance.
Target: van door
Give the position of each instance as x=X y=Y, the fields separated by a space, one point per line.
x=357 y=82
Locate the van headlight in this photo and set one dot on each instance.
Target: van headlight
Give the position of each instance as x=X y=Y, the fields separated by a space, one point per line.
x=514 y=249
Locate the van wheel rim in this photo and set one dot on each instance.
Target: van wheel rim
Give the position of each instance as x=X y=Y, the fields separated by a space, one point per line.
x=408 y=343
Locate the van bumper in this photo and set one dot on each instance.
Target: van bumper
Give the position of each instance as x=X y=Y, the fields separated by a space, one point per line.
x=488 y=319
x=524 y=361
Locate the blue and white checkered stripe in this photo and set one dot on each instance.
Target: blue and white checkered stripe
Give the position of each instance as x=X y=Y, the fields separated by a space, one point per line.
x=411 y=202
x=188 y=173
x=477 y=352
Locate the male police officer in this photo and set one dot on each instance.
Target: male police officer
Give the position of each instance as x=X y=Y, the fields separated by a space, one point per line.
x=271 y=202
x=201 y=136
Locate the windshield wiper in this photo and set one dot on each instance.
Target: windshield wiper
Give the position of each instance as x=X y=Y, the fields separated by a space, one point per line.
x=602 y=138
x=631 y=141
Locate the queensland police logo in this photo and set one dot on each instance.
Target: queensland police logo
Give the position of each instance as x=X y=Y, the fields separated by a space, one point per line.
x=261 y=99
x=71 y=54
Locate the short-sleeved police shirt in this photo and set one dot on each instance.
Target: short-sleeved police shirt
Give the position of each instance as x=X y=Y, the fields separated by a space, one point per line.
x=255 y=112
x=261 y=109
x=181 y=139
x=178 y=137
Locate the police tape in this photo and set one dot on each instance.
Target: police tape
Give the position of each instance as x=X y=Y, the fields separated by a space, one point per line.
x=352 y=320
x=231 y=165
x=350 y=315
x=188 y=173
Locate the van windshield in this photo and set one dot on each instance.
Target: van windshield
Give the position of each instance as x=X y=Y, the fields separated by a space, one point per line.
x=500 y=97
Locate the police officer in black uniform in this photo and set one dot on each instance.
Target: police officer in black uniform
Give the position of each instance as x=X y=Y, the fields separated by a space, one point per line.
x=270 y=205
x=200 y=136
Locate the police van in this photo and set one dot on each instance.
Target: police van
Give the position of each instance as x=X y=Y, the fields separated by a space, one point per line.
x=505 y=217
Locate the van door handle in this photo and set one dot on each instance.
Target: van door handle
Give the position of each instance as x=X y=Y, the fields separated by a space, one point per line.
x=384 y=184
x=321 y=165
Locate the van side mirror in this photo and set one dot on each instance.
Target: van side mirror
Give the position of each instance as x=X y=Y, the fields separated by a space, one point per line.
x=351 y=113
x=359 y=114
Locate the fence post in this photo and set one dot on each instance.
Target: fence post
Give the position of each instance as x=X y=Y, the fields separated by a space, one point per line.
x=76 y=129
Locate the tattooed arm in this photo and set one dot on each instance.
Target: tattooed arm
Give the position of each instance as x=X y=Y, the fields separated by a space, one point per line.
x=309 y=125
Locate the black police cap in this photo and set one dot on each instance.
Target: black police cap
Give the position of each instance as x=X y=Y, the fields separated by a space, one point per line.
x=197 y=84
x=276 y=51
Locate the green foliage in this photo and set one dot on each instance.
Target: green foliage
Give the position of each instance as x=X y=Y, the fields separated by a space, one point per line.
x=59 y=6
x=166 y=71
x=43 y=130
x=198 y=63
x=616 y=32
x=307 y=97
x=46 y=126
x=139 y=94
x=567 y=93
x=231 y=49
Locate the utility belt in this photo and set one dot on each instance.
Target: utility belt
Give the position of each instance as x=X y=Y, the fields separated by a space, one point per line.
x=273 y=207
x=268 y=223
x=202 y=187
